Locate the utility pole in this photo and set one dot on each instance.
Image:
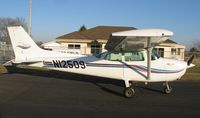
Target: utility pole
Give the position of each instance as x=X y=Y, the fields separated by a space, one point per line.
x=29 y=17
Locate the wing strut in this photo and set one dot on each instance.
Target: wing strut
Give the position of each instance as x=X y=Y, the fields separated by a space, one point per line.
x=149 y=49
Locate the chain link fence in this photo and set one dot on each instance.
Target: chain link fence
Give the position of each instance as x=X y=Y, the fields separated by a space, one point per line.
x=6 y=53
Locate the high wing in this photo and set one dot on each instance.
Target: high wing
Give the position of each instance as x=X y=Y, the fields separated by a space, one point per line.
x=137 y=39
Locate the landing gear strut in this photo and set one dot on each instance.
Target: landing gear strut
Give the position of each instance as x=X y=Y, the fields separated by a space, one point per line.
x=128 y=91
x=167 y=89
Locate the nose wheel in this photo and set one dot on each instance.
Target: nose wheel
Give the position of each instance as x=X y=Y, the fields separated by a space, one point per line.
x=167 y=89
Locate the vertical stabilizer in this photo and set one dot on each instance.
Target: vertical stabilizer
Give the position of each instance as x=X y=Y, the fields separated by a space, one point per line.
x=23 y=45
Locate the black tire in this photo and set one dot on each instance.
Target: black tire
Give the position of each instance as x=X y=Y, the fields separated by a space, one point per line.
x=129 y=92
x=168 y=91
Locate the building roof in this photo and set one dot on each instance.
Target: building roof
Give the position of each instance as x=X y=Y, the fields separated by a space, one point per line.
x=99 y=32
x=169 y=41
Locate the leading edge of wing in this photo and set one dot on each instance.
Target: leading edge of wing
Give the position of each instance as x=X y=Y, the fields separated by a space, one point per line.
x=145 y=33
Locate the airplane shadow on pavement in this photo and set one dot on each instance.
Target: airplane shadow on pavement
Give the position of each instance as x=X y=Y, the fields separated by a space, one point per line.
x=98 y=81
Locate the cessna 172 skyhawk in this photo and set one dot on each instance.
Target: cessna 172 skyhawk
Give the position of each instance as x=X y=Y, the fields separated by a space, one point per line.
x=129 y=58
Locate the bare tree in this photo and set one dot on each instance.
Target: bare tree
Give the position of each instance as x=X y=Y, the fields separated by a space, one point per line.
x=5 y=22
x=196 y=46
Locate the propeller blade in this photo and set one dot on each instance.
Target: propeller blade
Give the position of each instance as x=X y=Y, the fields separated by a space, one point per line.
x=190 y=60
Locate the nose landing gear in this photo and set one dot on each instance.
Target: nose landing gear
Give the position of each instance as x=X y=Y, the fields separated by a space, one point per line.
x=167 y=89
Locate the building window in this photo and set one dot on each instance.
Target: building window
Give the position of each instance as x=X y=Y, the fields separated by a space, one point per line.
x=96 y=49
x=173 y=51
x=74 y=46
x=77 y=47
x=70 y=46
x=179 y=51
x=176 y=51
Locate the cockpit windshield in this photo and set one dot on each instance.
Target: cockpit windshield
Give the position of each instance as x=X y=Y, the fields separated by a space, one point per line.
x=101 y=54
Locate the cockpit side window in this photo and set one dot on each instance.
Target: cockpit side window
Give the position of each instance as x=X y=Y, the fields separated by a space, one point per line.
x=154 y=55
x=134 y=56
x=129 y=56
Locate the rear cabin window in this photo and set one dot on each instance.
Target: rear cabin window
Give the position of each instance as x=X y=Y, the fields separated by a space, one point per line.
x=114 y=57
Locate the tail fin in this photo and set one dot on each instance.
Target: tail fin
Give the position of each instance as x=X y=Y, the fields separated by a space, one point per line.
x=23 y=45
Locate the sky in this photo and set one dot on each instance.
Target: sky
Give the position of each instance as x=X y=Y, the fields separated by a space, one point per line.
x=53 y=18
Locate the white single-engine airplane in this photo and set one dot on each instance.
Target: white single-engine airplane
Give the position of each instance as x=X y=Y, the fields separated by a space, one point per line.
x=129 y=58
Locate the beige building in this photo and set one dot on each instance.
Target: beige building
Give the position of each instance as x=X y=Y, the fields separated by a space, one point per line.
x=93 y=41
x=171 y=49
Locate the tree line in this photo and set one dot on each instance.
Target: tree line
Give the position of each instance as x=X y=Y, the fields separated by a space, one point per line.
x=196 y=46
x=7 y=21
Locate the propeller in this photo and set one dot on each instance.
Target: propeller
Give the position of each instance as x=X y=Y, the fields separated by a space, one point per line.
x=190 y=60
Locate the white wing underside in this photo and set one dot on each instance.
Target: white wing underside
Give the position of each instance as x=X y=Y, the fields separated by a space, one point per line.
x=136 y=39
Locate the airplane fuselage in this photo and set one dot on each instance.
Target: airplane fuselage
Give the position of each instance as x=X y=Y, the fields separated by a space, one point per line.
x=132 y=67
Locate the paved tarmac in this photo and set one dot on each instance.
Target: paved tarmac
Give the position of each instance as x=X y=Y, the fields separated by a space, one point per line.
x=50 y=94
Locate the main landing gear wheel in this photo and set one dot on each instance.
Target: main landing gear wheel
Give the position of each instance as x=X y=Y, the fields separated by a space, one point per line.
x=129 y=92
